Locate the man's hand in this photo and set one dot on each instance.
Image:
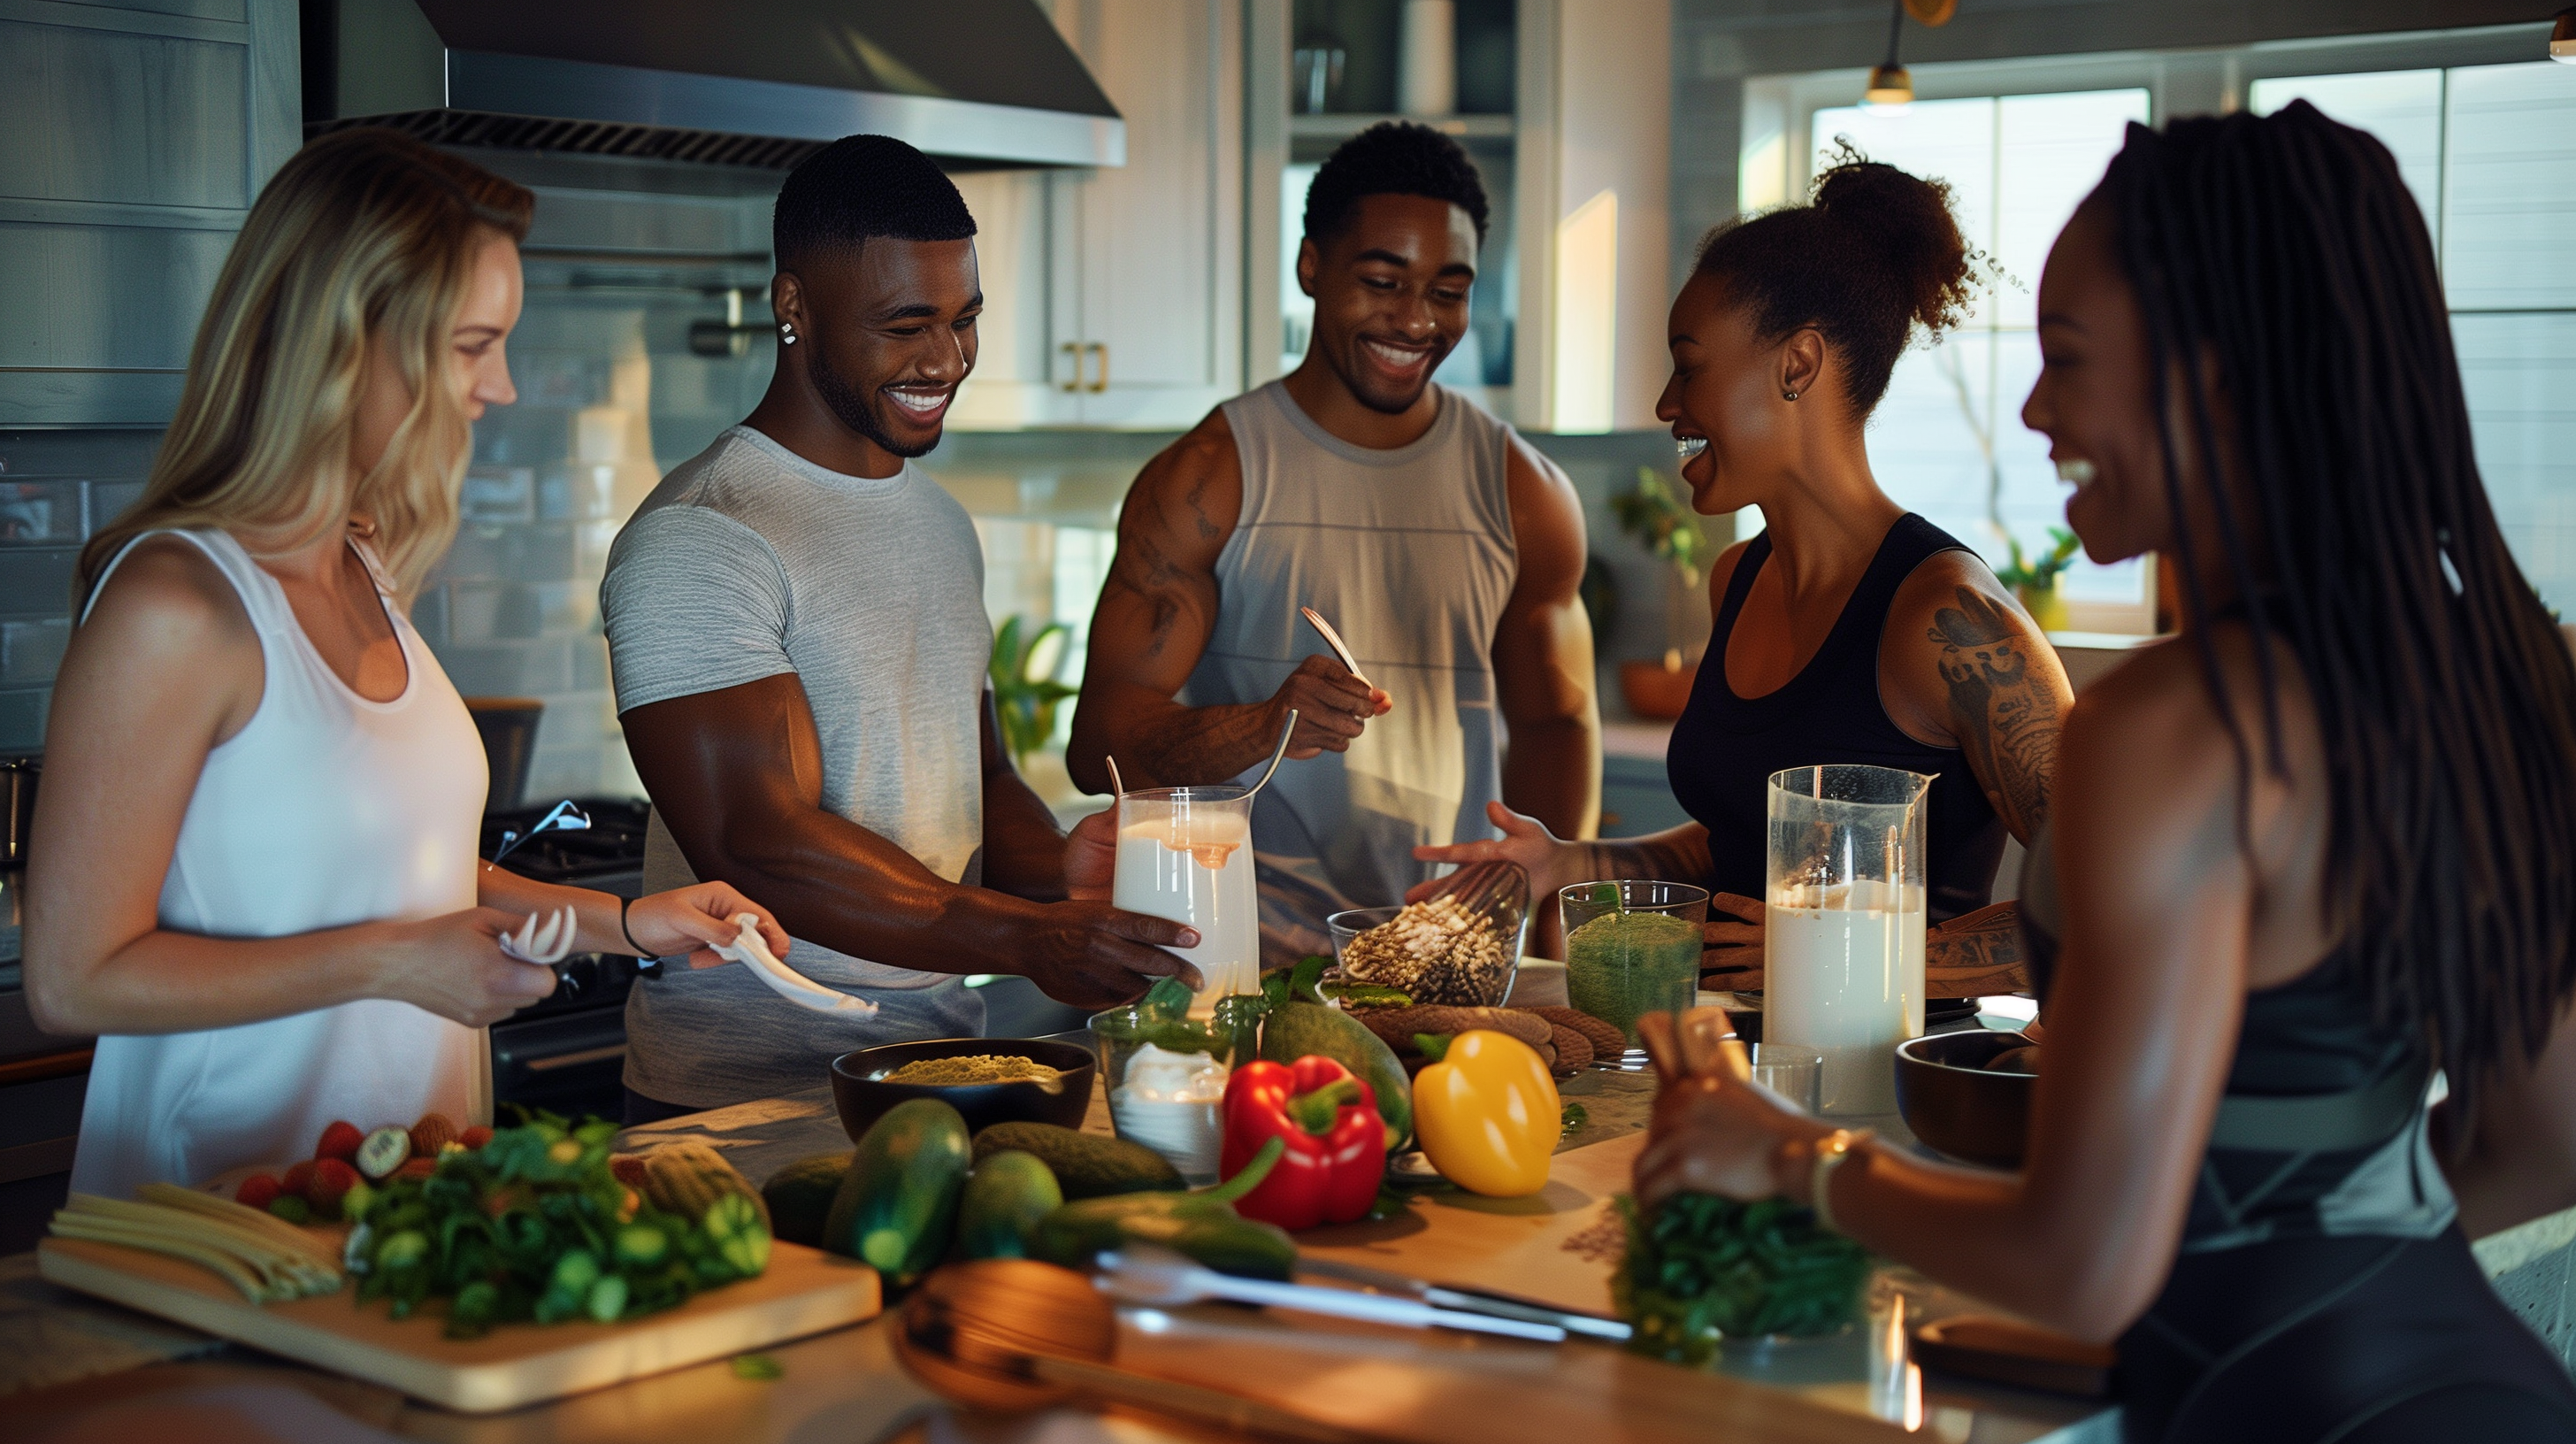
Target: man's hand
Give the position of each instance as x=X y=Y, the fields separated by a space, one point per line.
x=1091 y=857
x=1092 y=955
x=1332 y=706
x=1732 y=943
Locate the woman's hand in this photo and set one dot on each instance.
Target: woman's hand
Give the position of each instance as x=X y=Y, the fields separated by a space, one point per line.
x=1091 y=857
x=452 y=965
x=694 y=919
x=1711 y=1134
x=1731 y=939
x=1550 y=861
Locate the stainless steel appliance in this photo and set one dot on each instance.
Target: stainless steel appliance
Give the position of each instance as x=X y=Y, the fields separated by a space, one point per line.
x=567 y=1053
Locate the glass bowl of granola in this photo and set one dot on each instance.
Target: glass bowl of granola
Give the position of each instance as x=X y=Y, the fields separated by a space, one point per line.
x=1460 y=945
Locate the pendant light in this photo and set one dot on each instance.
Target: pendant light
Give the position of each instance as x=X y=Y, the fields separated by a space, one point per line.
x=1891 y=88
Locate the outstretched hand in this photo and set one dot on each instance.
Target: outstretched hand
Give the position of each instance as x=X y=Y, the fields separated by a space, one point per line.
x=1525 y=840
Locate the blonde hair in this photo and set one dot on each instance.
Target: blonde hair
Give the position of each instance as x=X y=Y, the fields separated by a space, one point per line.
x=364 y=234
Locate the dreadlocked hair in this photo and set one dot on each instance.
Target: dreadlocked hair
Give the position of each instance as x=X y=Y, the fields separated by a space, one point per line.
x=2285 y=253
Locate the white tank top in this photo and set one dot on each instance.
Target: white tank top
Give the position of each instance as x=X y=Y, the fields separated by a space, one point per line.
x=327 y=809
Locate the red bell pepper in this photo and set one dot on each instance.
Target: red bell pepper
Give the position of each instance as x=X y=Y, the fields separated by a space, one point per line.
x=1336 y=1144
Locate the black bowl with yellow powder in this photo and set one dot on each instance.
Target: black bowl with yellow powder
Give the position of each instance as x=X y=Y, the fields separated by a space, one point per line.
x=864 y=1084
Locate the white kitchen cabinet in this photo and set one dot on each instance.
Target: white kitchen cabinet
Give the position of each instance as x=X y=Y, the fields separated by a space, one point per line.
x=1114 y=296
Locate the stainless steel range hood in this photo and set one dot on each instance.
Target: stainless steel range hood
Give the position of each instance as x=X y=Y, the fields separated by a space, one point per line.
x=976 y=83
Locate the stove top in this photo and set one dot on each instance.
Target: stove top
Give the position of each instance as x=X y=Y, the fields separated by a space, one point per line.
x=612 y=847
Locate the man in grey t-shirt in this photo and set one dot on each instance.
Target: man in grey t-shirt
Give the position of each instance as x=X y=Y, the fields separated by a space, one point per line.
x=795 y=619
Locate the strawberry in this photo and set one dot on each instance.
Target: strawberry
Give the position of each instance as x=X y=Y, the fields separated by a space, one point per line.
x=298 y=1181
x=340 y=1140
x=257 y=1190
x=332 y=1180
x=417 y=1168
x=475 y=1137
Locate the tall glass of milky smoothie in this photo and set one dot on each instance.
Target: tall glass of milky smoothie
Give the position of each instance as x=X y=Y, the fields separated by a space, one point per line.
x=1185 y=853
x=1843 y=925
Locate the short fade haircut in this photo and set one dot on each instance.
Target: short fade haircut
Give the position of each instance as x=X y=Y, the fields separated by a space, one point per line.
x=859 y=188
x=1392 y=158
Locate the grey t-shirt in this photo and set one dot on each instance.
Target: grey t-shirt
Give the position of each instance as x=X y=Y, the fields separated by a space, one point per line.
x=747 y=562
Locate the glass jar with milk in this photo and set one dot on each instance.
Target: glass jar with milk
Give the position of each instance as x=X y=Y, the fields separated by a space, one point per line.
x=1185 y=853
x=1844 y=925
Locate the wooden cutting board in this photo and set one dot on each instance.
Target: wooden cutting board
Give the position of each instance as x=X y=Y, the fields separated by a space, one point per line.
x=805 y=1291
x=1514 y=1246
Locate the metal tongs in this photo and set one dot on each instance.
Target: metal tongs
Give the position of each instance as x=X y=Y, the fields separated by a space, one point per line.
x=1160 y=1278
x=1465 y=1301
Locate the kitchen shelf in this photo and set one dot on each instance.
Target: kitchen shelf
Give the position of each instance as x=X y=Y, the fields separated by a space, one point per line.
x=1332 y=126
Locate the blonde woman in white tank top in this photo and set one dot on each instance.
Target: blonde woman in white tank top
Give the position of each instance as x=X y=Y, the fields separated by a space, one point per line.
x=253 y=873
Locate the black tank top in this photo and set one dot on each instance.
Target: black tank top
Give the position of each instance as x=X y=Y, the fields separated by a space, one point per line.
x=1725 y=747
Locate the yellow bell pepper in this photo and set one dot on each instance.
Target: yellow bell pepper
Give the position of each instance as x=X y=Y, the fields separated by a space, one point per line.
x=1487 y=1115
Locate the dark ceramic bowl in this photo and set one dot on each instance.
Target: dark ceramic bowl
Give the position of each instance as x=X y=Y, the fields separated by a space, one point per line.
x=862 y=1095
x=1956 y=1107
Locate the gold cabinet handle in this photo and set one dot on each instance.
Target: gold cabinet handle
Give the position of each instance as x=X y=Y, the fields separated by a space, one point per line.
x=1101 y=382
x=1074 y=381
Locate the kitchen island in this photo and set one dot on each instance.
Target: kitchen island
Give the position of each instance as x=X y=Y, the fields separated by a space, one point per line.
x=845 y=1385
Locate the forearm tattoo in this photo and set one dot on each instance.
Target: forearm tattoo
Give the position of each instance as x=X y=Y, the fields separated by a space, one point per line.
x=2002 y=707
x=1976 y=954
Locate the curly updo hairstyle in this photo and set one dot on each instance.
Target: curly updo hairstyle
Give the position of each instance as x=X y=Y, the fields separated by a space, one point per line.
x=1872 y=254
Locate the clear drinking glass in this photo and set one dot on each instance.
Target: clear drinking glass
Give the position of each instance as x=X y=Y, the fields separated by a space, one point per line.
x=1631 y=948
x=1844 y=925
x=1796 y=1074
x=1185 y=853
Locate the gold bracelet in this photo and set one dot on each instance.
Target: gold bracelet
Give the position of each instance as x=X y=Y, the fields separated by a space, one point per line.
x=1831 y=1150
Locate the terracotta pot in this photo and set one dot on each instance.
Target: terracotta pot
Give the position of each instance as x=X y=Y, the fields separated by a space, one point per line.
x=1656 y=691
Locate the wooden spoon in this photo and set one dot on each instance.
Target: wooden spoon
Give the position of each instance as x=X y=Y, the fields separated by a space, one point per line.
x=1015 y=1334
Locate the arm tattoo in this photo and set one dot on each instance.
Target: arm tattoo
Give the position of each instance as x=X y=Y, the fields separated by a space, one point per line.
x=1975 y=954
x=2005 y=716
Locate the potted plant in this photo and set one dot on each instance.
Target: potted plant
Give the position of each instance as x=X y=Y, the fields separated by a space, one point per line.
x=1026 y=693
x=2034 y=580
x=1664 y=525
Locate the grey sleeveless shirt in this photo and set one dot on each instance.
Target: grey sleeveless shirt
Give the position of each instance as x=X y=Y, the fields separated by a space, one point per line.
x=1409 y=554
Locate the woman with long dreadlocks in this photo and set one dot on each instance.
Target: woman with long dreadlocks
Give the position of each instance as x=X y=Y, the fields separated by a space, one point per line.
x=2301 y=856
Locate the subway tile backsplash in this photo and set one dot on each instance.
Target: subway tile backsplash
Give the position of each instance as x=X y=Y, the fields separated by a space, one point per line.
x=56 y=488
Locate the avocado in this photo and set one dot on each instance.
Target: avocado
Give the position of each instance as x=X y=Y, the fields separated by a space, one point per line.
x=1085 y=1165
x=800 y=1196
x=1294 y=1030
x=1006 y=1196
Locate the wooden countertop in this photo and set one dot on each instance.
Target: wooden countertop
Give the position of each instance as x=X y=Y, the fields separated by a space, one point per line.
x=845 y=1386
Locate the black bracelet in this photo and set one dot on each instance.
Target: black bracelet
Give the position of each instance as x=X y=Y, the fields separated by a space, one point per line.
x=622 y=905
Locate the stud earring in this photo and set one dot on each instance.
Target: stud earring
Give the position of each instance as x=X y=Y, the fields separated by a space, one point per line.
x=787 y=335
x=1788 y=395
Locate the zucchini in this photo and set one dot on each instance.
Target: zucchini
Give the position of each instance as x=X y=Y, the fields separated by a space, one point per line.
x=897 y=1205
x=1006 y=1196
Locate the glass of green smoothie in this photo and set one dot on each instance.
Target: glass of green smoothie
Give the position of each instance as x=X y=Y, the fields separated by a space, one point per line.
x=1631 y=948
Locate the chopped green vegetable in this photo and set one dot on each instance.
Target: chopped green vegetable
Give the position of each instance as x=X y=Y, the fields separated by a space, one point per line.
x=1574 y=1117
x=534 y=1226
x=1701 y=1269
x=759 y=1368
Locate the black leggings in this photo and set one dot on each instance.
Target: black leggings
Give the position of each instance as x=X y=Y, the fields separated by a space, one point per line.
x=2339 y=1341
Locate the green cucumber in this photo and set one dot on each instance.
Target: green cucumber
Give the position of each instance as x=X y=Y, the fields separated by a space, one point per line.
x=897 y=1205
x=1085 y=1165
x=800 y=1196
x=1006 y=1196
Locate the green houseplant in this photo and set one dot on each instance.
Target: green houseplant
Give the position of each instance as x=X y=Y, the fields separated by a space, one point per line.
x=1662 y=524
x=2034 y=579
x=1026 y=693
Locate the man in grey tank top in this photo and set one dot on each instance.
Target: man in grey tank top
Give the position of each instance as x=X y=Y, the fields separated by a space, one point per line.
x=796 y=622
x=1446 y=551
